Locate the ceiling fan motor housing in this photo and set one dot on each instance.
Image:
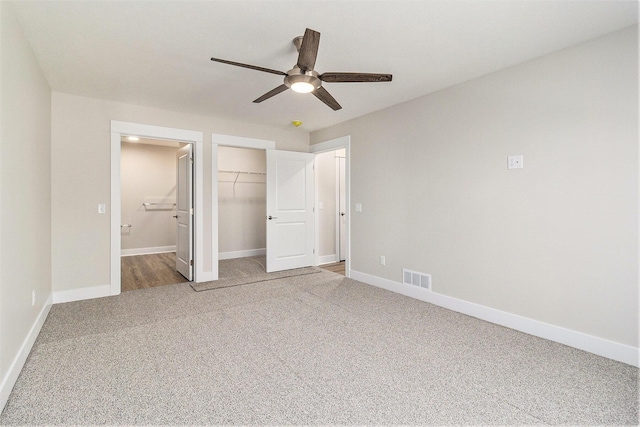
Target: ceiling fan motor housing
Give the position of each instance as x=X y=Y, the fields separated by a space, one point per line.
x=296 y=75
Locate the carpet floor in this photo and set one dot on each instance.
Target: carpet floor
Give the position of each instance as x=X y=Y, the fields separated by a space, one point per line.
x=317 y=349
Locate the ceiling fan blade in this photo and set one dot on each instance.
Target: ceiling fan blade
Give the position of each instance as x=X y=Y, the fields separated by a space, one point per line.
x=324 y=96
x=355 y=77
x=271 y=93
x=308 y=50
x=251 y=67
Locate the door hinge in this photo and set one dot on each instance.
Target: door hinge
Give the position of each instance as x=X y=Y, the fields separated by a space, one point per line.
x=191 y=263
x=191 y=211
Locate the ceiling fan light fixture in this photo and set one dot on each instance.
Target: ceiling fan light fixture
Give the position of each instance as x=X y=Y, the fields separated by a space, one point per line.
x=302 y=82
x=302 y=87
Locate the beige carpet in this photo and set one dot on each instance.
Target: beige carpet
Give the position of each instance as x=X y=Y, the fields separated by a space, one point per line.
x=318 y=349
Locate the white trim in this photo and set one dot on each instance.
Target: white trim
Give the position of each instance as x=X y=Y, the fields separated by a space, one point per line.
x=17 y=364
x=327 y=259
x=81 y=294
x=116 y=212
x=157 y=132
x=242 y=142
x=332 y=145
x=336 y=190
x=148 y=251
x=242 y=254
x=214 y=210
x=599 y=346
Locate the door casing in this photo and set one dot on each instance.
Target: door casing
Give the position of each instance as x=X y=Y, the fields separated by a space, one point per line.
x=119 y=129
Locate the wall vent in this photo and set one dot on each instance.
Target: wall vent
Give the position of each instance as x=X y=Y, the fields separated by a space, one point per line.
x=416 y=279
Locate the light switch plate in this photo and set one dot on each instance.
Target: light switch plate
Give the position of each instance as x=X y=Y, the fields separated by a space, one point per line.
x=102 y=208
x=515 y=162
x=358 y=207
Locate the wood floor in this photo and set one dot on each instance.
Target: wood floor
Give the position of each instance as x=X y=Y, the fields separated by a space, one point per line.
x=336 y=267
x=148 y=271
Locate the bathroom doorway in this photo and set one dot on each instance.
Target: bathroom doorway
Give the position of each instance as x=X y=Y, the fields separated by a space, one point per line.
x=151 y=229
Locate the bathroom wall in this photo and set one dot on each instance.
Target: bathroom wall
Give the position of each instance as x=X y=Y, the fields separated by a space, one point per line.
x=148 y=175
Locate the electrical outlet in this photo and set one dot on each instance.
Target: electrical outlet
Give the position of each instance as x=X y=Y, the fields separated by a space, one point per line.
x=358 y=207
x=33 y=297
x=382 y=260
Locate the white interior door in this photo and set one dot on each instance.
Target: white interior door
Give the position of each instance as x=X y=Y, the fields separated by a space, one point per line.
x=342 y=209
x=290 y=216
x=184 y=216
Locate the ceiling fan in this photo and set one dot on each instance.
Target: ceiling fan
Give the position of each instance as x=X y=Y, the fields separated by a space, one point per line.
x=304 y=79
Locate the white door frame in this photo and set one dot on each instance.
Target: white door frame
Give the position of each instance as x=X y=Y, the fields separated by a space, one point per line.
x=227 y=141
x=332 y=145
x=118 y=129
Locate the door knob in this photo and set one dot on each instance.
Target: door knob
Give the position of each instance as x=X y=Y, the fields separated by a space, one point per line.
x=272 y=217
x=175 y=216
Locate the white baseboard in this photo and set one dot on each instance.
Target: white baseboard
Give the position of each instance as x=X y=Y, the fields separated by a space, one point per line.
x=147 y=251
x=327 y=259
x=17 y=364
x=81 y=294
x=242 y=254
x=601 y=347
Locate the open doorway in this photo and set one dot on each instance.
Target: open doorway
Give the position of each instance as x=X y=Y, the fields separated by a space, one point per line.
x=156 y=200
x=194 y=138
x=331 y=209
x=290 y=227
x=332 y=204
x=241 y=208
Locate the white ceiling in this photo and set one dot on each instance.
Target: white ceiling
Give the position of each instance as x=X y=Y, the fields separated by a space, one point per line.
x=157 y=53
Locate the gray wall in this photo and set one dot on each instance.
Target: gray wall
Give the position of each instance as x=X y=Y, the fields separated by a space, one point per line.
x=80 y=177
x=25 y=194
x=556 y=241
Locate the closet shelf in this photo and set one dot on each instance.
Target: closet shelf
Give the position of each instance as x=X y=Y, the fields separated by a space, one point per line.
x=238 y=173
x=159 y=205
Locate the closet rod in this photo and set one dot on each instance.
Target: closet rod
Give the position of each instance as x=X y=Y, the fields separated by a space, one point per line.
x=242 y=172
x=245 y=172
